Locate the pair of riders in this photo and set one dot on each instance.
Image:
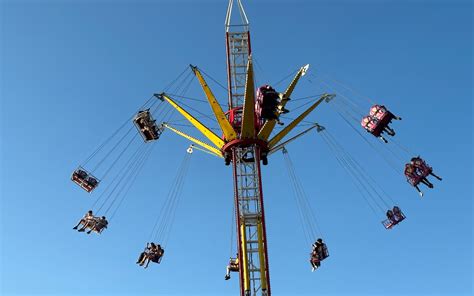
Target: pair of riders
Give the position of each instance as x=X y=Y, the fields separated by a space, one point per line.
x=89 y=221
x=395 y=215
x=152 y=253
x=83 y=179
x=270 y=103
x=147 y=125
x=318 y=254
x=417 y=171
x=378 y=122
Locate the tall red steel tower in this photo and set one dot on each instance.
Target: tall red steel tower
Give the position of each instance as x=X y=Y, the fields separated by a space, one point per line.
x=247 y=141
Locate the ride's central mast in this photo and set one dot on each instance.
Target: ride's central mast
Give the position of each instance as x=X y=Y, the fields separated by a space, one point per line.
x=238 y=52
x=252 y=243
x=246 y=139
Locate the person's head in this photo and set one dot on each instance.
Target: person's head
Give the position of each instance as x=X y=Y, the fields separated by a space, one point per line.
x=89 y=212
x=320 y=240
x=153 y=245
x=103 y=218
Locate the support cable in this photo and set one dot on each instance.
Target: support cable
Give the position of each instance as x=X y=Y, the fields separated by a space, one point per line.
x=307 y=214
x=132 y=177
x=122 y=174
x=112 y=150
x=370 y=187
x=99 y=148
x=163 y=222
x=134 y=137
x=355 y=180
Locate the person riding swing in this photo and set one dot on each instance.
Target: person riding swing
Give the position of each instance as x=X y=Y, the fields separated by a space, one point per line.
x=152 y=253
x=232 y=266
x=85 y=221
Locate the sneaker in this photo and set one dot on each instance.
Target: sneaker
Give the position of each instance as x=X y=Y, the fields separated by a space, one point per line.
x=227 y=277
x=75 y=227
x=421 y=194
x=81 y=230
x=313 y=269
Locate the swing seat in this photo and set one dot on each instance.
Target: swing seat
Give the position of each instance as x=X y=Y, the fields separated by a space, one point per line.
x=325 y=253
x=421 y=170
x=314 y=259
x=267 y=102
x=146 y=126
x=84 y=179
x=389 y=223
x=234 y=267
x=374 y=125
x=381 y=113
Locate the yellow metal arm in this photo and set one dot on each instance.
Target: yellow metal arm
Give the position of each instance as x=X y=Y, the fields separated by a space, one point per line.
x=270 y=125
x=248 y=120
x=201 y=127
x=226 y=128
x=295 y=122
x=207 y=147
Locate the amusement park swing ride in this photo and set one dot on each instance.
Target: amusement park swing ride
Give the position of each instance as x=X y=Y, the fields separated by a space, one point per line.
x=248 y=137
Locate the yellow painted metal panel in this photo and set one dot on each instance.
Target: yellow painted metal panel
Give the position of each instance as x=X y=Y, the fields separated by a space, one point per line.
x=248 y=120
x=201 y=127
x=226 y=127
x=268 y=127
x=293 y=83
x=206 y=146
x=261 y=254
x=294 y=123
x=244 y=264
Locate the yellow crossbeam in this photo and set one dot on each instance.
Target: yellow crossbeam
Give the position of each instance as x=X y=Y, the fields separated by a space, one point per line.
x=201 y=127
x=248 y=119
x=224 y=124
x=207 y=147
x=295 y=122
x=268 y=127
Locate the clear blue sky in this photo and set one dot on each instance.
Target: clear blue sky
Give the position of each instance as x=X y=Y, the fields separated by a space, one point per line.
x=71 y=73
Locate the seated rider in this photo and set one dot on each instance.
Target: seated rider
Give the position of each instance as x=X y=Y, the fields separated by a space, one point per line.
x=378 y=111
x=412 y=177
x=86 y=220
x=232 y=266
x=143 y=256
x=320 y=248
x=314 y=260
x=92 y=181
x=397 y=213
x=81 y=174
x=422 y=168
x=156 y=254
x=98 y=225
x=369 y=123
x=152 y=253
x=391 y=217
